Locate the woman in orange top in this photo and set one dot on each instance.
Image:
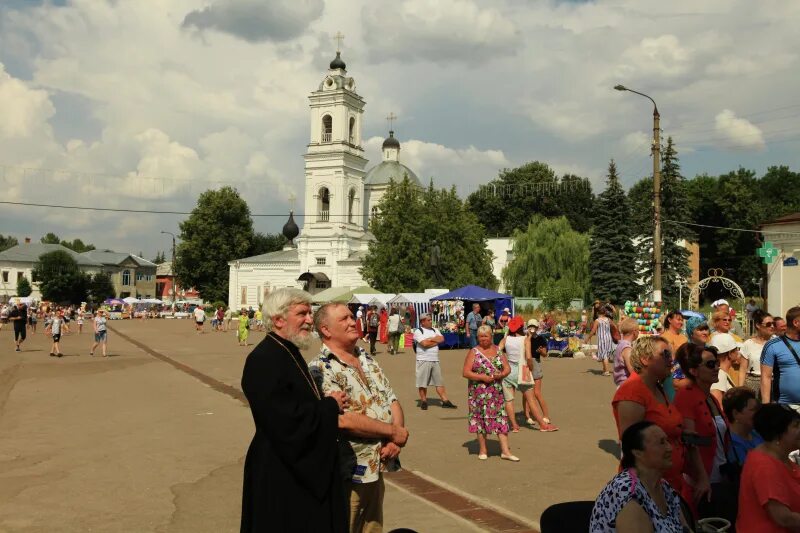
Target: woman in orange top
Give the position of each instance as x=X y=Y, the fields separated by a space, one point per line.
x=642 y=397
x=769 y=493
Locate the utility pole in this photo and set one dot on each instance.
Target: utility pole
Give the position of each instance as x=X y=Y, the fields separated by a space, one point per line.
x=172 y=268
x=656 y=151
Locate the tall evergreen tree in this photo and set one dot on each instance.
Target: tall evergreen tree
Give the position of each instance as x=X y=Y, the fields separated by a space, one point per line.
x=674 y=214
x=612 y=257
x=7 y=242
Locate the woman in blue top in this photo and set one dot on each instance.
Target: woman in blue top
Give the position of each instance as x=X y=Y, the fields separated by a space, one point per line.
x=740 y=404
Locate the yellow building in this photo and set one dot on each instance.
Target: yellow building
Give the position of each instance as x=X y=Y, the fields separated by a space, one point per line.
x=130 y=274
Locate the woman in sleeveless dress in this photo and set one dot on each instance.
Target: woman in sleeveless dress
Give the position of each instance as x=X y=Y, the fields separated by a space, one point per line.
x=485 y=369
x=605 y=343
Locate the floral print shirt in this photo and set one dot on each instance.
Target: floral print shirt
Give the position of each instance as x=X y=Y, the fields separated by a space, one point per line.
x=360 y=457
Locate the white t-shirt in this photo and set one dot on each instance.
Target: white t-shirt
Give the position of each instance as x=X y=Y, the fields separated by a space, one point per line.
x=751 y=350
x=515 y=348
x=55 y=326
x=724 y=382
x=426 y=354
x=101 y=323
x=199 y=315
x=394 y=323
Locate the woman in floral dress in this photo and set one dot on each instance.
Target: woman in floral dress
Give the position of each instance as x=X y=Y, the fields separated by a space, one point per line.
x=485 y=369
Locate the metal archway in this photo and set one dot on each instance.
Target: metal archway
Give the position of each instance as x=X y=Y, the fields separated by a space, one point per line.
x=716 y=275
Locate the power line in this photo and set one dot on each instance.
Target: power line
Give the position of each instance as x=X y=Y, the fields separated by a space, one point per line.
x=731 y=229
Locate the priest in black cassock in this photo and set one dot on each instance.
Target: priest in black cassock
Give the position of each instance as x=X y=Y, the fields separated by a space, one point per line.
x=292 y=479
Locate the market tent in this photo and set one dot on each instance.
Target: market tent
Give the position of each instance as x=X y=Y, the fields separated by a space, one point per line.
x=421 y=303
x=329 y=294
x=130 y=300
x=367 y=298
x=346 y=297
x=113 y=301
x=381 y=299
x=473 y=293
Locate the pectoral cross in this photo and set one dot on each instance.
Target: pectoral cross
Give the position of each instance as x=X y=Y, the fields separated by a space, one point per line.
x=391 y=118
x=339 y=37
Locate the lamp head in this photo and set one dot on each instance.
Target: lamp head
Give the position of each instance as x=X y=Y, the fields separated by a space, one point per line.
x=620 y=87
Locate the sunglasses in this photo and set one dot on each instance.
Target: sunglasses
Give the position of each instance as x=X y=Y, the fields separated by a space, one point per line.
x=711 y=365
x=768 y=324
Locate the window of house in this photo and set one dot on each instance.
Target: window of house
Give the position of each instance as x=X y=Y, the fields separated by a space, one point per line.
x=320 y=260
x=327 y=128
x=139 y=276
x=19 y=276
x=126 y=277
x=5 y=276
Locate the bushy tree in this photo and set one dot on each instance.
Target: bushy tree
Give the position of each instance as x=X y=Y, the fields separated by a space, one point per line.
x=159 y=258
x=508 y=202
x=410 y=220
x=101 y=287
x=612 y=258
x=550 y=259
x=218 y=230
x=24 y=287
x=76 y=245
x=60 y=279
x=264 y=243
x=674 y=214
x=7 y=242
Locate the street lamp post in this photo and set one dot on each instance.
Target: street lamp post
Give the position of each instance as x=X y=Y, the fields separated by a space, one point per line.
x=172 y=268
x=656 y=150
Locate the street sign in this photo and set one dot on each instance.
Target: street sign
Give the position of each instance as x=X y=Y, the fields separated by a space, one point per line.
x=768 y=252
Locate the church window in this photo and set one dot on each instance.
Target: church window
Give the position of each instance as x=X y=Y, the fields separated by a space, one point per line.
x=321 y=260
x=351 y=200
x=324 y=198
x=327 y=128
x=126 y=277
x=352 y=130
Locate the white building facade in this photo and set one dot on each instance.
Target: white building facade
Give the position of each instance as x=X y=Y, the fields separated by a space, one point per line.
x=340 y=197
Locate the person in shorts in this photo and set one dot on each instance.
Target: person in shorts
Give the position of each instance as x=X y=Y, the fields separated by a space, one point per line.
x=55 y=331
x=429 y=372
x=199 y=318
x=100 y=333
x=19 y=317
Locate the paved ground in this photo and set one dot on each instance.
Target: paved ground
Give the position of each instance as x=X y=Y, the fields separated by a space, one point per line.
x=129 y=443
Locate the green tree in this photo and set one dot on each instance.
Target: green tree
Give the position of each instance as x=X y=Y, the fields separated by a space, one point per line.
x=550 y=259
x=78 y=246
x=60 y=279
x=410 y=220
x=674 y=214
x=218 y=230
x=160 y=258
x=264 y=243
x=612 y=258
x=101 y=287
x=508 y=202
x=24 y=287
x=50 y=238
x=7 y=242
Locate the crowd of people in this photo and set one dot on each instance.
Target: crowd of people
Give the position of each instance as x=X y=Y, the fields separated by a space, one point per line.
x=58 y=322
x=709 y=425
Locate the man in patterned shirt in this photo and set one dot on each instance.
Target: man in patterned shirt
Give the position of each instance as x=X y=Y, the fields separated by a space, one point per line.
x=375 y=432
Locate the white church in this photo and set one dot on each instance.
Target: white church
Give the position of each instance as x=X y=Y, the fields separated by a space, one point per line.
x=340 y=198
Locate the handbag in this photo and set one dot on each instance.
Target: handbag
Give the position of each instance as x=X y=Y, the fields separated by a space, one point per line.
x=524 y=374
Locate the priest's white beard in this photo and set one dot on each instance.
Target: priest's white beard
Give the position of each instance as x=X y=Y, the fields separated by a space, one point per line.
x=302 y=339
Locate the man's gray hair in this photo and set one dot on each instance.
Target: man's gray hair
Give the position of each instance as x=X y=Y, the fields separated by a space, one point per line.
x=279 y=301
x=423 y=316
x=323 y=313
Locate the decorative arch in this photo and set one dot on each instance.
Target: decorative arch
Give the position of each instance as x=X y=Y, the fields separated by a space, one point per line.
x=717 y=275
x=327 y=128
x=323 y=204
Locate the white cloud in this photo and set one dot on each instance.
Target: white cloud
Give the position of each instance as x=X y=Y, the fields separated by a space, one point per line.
x=437 y=30
x=738 y=132
x=257 y=20
x=660 y=56
x=24 y=111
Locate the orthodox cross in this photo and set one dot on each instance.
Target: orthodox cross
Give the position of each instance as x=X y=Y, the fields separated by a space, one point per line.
x=292 y=198
x=391 y=118
x=339 y=37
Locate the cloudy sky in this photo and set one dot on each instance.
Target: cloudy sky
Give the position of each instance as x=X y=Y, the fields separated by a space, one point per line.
x=143 y=104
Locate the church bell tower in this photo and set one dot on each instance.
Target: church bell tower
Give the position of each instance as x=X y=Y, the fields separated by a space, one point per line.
x=333 y=228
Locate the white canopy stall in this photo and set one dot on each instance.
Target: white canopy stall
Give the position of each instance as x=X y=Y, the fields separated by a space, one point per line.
x=366 y=299
x=418 y=300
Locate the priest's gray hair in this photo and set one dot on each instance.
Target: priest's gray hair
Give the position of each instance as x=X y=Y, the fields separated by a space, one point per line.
x=278 y=302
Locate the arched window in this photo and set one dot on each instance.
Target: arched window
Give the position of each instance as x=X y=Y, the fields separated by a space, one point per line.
x=352 y=130
x=327 y=128
x=126 y=277
x=351 y=200
x=324 y=201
